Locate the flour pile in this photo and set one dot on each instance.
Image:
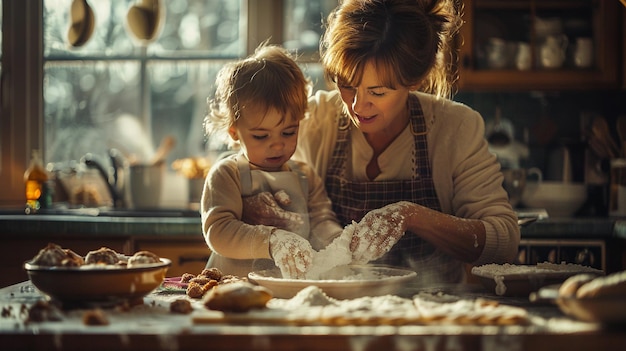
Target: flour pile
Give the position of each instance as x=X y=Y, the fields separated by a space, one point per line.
x=335 y=254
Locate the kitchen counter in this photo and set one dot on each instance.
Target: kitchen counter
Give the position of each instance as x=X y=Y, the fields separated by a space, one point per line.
x=92 y=222
x=185 y=222
x=150 y=326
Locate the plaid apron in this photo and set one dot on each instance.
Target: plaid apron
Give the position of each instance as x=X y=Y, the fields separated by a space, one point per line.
x=353 y=199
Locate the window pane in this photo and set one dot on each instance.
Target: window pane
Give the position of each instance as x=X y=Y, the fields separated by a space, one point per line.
x=211 y=28
x=205 y=28
x=91 y=107
x=110 y=93
x=83 y=101
x=303 y=23
x=179 y=102
x=109 y=36
x=302 y=32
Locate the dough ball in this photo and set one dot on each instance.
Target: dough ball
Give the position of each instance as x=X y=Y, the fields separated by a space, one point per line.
x=611 y=285
x=571 y=285
x=237 y=297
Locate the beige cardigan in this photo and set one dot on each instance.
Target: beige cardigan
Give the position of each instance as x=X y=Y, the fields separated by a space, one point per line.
x=237 y=247
x=467 y=176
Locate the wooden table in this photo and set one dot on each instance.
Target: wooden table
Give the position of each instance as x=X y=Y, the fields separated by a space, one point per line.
x=152 y=327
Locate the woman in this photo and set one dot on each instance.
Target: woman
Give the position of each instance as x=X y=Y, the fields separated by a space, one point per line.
x=387 y=134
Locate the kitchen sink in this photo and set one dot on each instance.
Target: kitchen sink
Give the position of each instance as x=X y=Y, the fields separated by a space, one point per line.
x=109 y=212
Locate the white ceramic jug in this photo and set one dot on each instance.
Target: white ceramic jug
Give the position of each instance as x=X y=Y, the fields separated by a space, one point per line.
x=552 y=52
x=583 y=54
x=522 y=58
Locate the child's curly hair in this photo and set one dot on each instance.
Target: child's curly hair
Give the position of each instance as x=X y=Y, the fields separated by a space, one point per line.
x=268 y=79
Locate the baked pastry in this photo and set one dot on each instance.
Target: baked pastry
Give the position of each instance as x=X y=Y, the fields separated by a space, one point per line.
x=186 y=277
x=51 y=255
x=181 y=306
x=571 y=285
x=72 y=259
x=55 y=255
x=194 y=290
x=212 y=273
x=200 y=280
x=612 y=285
x=95 y=317
x=142 y=258
x=103 y=255
x=237 y=297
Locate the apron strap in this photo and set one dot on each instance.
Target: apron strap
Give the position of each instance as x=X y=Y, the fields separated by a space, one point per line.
x=245 y=175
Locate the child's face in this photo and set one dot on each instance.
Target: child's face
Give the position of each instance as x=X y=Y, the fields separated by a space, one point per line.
x=268 y=141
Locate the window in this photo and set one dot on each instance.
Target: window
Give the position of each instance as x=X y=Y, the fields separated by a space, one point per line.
x=116 y=91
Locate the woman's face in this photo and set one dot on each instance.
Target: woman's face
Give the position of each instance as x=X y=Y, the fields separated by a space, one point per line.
x=269 y=140
x=375 y=108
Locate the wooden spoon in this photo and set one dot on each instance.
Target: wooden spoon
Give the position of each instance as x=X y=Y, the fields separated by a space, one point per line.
x=600 y=128
x=167 y=144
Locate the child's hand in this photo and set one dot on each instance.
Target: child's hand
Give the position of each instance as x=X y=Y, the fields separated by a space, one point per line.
x=291 y=253
x=377 y=232
x=263 y=208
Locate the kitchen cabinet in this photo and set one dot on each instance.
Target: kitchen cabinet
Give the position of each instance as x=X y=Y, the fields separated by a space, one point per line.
x=624 y=46
x=505 y=45
x=592 y=253
x=188 y=254
x=15 y=251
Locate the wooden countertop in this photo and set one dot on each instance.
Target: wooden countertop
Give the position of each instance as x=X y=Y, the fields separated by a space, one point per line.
x=152 y=327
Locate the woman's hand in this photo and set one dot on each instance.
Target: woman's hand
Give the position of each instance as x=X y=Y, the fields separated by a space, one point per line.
x=263 y=208
x=291 y=253
x=378 y=231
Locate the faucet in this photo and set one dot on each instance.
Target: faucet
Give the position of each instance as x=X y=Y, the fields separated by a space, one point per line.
x=116 y=182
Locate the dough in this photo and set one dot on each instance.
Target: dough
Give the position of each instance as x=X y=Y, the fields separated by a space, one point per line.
x=612 y=285
x=237 y=297
x=573 y=283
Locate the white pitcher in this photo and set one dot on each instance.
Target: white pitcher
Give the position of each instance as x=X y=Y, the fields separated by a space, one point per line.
x=552 y=52
x=583 y=55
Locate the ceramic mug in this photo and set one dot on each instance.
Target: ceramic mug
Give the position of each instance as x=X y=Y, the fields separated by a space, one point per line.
x=146 y=182
x=497 y=56
x=514 y=184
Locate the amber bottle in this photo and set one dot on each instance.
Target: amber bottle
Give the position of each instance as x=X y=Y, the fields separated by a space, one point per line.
x=35 y=179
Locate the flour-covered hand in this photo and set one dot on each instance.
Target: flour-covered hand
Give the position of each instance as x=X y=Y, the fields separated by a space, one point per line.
x=263 y=208
x=291 y=253
x=378 y=231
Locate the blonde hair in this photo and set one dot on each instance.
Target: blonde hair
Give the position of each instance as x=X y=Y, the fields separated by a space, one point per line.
x=268 y=79
x=406 y=40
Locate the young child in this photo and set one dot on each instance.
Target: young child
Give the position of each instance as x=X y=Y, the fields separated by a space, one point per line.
x=259 y=102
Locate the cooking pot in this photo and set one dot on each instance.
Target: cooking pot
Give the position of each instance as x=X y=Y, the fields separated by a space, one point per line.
x=79 y=186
